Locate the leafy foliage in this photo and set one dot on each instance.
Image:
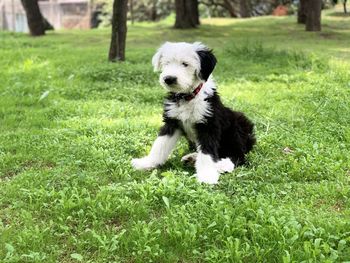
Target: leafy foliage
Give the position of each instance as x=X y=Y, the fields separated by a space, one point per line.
x=139 y=10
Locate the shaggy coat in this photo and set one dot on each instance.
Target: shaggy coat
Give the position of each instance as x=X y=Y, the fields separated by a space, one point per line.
x=192 y=108
x=224 y=133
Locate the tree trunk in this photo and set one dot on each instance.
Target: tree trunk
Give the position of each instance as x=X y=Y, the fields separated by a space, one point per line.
x=344 y=5
x=186 y=13
x=195 y=12
x=34 y=17
x=154 y=11
x=230 y=8
x=313 y=17
x=302 y=9
x=244 y=8
x=47 y=25
x=118 y=38
x=132 y=11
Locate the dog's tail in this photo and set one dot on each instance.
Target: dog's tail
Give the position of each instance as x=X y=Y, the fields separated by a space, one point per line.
x=251 y=141
x=248 y=132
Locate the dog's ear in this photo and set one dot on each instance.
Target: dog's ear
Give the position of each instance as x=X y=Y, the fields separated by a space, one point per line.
x=207 y=61
x=157 y=57
x=156 y=60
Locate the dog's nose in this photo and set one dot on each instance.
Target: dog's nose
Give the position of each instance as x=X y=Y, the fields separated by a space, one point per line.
x=170 y=80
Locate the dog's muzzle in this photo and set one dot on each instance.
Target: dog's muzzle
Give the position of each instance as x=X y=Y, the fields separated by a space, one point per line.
x=169 y=80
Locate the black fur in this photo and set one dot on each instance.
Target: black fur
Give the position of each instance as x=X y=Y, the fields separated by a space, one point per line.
x=169 y=127
x=208 y=62
x=225 y=134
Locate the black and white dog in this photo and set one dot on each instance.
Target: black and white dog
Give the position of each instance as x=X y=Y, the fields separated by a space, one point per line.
x=193 y=108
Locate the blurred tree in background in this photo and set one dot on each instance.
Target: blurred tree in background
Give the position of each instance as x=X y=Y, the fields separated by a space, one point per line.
x=302 y=12
x=187 y=13
x=155 y=10
x=37 y=24
x=139 y=10
x=309 y=13
x=313 y=15
x=344 y=5
x=151 y=10
x=241 y=8
x=119 y=28
x=117 y=12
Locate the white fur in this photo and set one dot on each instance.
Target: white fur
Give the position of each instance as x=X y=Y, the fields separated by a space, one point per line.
x=181 y=61
x=191 y=157
x=206 y=169
x=169 y=60
x=193 y=111
x=225 y=165
x=161 y=149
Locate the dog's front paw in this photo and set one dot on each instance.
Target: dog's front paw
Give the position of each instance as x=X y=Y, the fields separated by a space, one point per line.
x=209 y=177
x=189 y=158
x=144 y=163
x=225 y=165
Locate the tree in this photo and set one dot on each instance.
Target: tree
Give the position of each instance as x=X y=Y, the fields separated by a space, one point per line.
x=244 y=8
x=118 y=37
x=344 y=6
x=334 y=2
x=241 y=8
x=187 y=15
x=313 y=15
x=36 y=21
x=132 y=11
x=154 y=10
x=195 y=11
x=228 y=5
x=302 y=12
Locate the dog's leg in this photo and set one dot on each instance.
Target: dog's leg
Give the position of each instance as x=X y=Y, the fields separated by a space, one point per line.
x=206 y=169
x=161 y=149
x=225 y=165
x=206 y=163
x=189 y=158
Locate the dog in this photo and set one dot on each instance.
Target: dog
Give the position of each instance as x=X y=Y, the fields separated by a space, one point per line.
x=220 y=136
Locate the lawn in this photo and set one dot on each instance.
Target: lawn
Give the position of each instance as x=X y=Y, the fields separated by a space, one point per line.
x=70 y=123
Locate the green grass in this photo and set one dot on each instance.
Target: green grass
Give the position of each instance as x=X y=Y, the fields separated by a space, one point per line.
x=69 y=194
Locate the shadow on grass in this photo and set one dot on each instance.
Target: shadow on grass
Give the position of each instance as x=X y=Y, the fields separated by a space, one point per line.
x=338 y=14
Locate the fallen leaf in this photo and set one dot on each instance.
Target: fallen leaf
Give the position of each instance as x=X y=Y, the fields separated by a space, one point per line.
x=287 y=150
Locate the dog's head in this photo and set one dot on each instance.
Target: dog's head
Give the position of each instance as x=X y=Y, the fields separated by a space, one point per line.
x=183 y=66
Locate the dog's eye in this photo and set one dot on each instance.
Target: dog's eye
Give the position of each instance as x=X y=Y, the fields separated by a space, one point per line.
x=184 y=64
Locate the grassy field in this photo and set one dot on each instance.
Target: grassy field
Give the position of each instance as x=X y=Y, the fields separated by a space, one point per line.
x=70 y=123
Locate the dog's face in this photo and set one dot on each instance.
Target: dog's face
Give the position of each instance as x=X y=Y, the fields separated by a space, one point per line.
x=183 y=66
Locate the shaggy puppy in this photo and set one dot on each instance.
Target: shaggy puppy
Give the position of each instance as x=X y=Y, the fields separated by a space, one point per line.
x=193 y=108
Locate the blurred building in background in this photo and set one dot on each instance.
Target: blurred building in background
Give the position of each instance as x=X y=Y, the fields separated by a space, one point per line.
x=60 y=14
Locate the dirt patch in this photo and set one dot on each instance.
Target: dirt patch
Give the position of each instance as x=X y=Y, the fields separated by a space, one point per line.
x=115 y=223
x=320 y=203
x=338 y=206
